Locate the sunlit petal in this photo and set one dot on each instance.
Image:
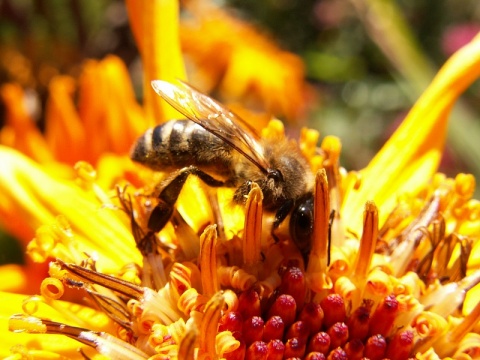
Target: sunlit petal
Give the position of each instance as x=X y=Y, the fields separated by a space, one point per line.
x=155 y=24
x=411 y=156
x=31 y=198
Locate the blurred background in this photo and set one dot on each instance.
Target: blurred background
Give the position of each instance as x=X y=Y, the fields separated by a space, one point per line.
x=364 y=69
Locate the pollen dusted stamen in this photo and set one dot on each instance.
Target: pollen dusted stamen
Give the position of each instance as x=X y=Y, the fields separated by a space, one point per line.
x=186 y=349
x=208 y=260
x=447 y=344
x=105 y=344
x=332 y=147
x=209 y=324
x=252 y=234
x=412 y=234
x=93 y=277
x=367 y=243
x=318 y=258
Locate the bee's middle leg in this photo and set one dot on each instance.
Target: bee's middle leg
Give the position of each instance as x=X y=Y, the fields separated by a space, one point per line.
x=169 y=195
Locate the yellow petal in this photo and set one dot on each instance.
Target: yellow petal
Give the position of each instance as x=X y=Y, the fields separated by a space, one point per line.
x=155 y=22
x=412 y=154
x=30 y=198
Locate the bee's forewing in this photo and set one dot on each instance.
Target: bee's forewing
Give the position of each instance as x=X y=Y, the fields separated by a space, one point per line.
x=215 y=118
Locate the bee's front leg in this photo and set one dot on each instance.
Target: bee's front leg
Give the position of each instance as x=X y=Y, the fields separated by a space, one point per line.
x=170 y=192
x=280 y=215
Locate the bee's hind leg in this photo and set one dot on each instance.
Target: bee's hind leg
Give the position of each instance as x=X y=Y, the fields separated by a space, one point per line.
x=169 y=195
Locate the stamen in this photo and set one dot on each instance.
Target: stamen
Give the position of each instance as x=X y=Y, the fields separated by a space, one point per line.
x=93 y=277
x=274 y=328
x=258 y=350
x=208 y=260
x=332 y=147
x=294 y=284
x=375 y=347
x=334 y=310
x=285 y=307
x=235 y=277
x=87 y=175
x=320 y=342
x=187 y=238
x=249 y=304
x=55 y=240
x=298 y=330
x=231 y=300
x=52 y=288
x=237 y=354
x=312 y=315
x=359 y=320
x=104 y=343
x=337 y=354
x=446 y=299
x=428 y=326
x=252 y=234
x=447 y=344
x=294 y=348
x=338 y=334
x=276 y=350
x=225 y=343
x=384 y=316
x=411 y=235
x=401 y=345
x=319 y=255
x=209 y=324
x=159 y=306
x=252 y=329
x=190 y=301
x=308 y=146
x=180 y=276
x=231 y=321
x=153 y=275
x=315 y=356
x=354 y=349
x=367 y=244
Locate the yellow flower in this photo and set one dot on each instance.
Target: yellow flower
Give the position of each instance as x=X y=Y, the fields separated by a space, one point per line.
x=213 y=283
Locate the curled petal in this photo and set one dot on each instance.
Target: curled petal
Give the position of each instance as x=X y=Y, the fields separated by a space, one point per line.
x=411 y=156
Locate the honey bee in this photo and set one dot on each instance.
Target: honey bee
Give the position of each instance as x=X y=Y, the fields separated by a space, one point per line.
x=222 y=150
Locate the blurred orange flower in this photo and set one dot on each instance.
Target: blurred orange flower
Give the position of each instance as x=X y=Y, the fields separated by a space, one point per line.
x=399 y=282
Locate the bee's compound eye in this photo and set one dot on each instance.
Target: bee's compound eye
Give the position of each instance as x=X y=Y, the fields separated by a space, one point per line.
x=301 y=224
x=276 y=175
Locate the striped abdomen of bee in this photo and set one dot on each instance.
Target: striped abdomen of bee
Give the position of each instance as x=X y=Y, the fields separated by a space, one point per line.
x=181 y=143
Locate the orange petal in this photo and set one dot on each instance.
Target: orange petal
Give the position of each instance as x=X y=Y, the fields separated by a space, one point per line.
x=24 y=279
x=108 y=109
x=411 y=156
x=20 y=131
x=64 y=132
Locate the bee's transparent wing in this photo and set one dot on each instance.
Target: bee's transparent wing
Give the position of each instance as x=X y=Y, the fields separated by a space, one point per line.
x=215 y=118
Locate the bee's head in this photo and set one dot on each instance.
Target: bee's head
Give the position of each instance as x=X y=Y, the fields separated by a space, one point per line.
x=301 y=223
